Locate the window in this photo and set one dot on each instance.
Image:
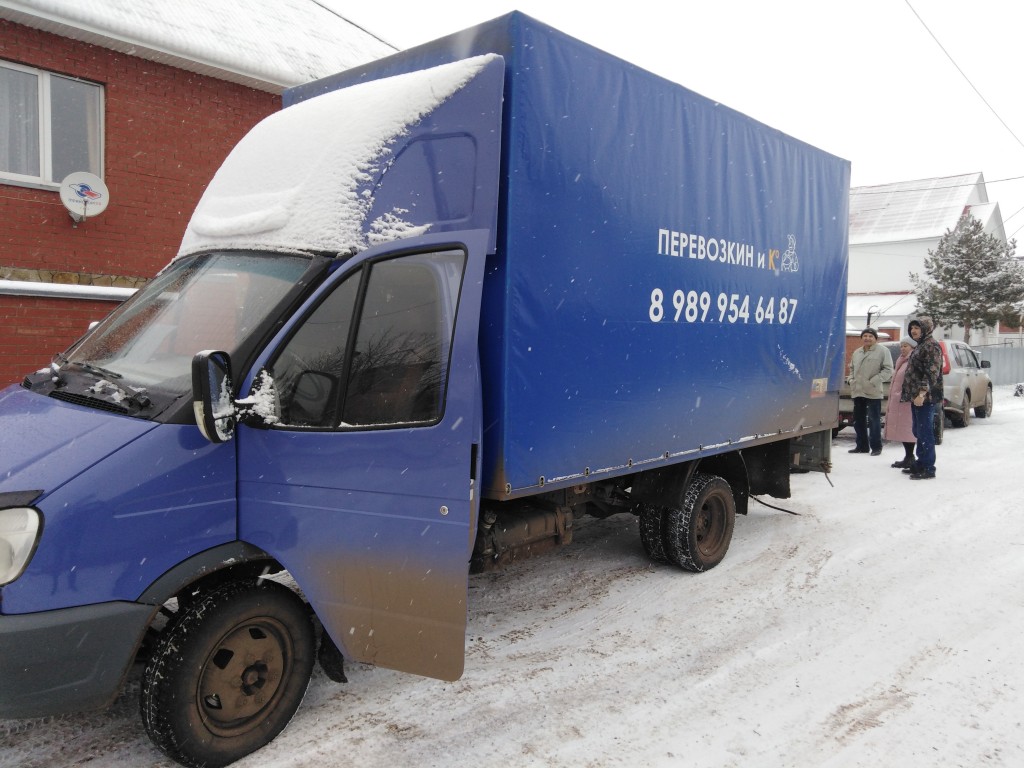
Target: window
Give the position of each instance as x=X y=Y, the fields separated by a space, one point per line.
x=212 y=301
x=388 y=370
x=429 y=181
x=50 y=126
x=970 y=359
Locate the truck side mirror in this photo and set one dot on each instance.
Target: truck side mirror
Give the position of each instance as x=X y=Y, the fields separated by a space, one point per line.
x=986 y=363
x=211 y=395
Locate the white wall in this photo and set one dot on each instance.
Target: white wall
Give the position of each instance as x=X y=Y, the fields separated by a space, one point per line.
x=886 y=267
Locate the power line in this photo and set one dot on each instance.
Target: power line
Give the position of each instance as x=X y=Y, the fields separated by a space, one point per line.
x=980 y=96
x=866 y=191
x=1018 y=229
x=964 y=74
x=357 y=26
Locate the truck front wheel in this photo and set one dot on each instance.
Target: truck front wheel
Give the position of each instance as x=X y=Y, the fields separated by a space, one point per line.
x=228 y=673
x=698 y=533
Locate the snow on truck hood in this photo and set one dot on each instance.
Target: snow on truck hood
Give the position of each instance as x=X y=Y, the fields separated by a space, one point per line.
x=301 y=178
x=46 y=443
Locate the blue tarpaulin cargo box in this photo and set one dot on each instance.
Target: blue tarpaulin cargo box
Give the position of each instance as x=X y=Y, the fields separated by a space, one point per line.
x=668 y=276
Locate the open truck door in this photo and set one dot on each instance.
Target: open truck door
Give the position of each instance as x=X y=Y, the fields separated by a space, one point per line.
x=365 y=488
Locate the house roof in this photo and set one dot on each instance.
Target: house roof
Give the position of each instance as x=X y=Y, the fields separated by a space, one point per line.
x=914 y=210
x=991 y=219
x=264 y=44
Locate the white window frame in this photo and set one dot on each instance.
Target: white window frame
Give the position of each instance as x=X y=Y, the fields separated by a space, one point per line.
x=44 y=180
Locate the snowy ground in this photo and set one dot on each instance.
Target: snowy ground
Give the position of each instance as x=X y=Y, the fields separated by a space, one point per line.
x=878 y=626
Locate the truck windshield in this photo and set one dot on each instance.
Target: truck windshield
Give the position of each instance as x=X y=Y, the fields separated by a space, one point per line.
x=208 y=301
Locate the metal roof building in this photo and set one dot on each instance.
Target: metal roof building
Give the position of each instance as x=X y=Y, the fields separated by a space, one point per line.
x=892 y=228
x=264 y=44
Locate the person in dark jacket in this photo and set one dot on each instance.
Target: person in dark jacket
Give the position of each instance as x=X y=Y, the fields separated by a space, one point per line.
x=922 y=388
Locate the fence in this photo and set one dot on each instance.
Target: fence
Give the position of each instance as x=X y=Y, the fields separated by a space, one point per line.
x=1007 y=364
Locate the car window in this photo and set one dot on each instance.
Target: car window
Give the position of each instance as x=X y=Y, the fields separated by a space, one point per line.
x=958 y=356
x=965 y=355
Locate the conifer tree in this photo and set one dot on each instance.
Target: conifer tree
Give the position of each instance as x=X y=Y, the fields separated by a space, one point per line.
x=972 y=280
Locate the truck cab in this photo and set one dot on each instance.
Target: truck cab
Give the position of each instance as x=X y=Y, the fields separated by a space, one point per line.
x=309 y=409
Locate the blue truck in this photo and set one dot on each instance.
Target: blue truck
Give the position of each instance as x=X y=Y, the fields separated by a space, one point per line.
x=424 y=319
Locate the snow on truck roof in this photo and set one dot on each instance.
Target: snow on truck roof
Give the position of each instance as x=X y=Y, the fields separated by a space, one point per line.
x=298 y=180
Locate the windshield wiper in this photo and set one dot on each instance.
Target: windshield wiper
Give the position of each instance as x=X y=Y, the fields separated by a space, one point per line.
x=104 y=388
x=105 y=373
x=56 y=364
x=60 y=360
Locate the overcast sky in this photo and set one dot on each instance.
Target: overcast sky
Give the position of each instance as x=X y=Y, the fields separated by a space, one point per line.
x=869 y=81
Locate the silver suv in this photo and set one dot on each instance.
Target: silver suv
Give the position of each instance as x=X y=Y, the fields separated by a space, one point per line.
x=966 y=383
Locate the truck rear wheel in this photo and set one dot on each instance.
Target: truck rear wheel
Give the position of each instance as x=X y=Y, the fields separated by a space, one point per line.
x=227 y=673
x=697 y=534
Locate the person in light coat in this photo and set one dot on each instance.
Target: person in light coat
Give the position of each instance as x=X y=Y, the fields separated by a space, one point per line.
x=870 y=370
x=899 y=423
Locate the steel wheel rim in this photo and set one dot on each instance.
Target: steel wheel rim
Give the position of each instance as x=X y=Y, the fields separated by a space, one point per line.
x=244 y=675
x=710 y=526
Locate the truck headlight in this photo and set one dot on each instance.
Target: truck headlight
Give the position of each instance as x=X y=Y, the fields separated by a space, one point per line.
x=19 y=532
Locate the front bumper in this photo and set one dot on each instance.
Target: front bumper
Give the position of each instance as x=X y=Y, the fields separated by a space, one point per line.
x=69 y=660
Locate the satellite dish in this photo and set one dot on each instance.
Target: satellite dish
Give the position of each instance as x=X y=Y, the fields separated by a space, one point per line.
x=84 y=195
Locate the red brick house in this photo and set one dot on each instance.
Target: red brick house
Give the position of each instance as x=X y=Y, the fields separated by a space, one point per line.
x=125 y=90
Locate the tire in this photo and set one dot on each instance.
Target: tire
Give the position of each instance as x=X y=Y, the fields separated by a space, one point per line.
x=652 y=518
x=984 y=410
x=697 y=534
x=938 y=425
x=227 y=673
